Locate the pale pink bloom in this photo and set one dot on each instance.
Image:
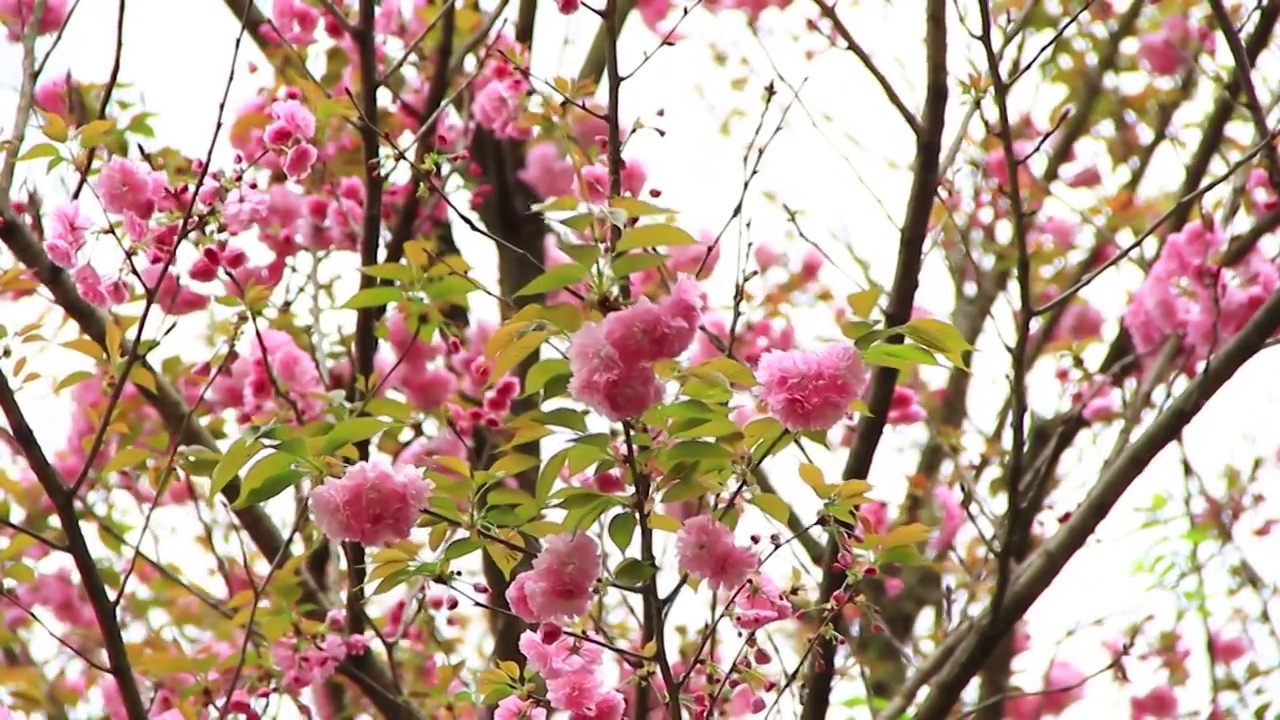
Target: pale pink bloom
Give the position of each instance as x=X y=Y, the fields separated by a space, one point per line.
x=513 y=708
x=565 y=656
x=426 y=388
x=876 y=516
x=1158 y=702
x=297 y=164
x=291 y=121
x=546 y=170
x=296 y=21
x=373 y=503
x=767 y=256
x=498 y=105
x=744 y=702
x=170 y=295
x=1227 y=650
x=128 y=187
x=699 y=259
x=811 y=389
x=559 y=585
x=16 y=13
x=1166 y=50
x=51 y=95
x=646 y=332
x=1059 y=233
x=612 y=385
x=67 y=224
x=706 y=551
x=810 y=265
x=244 y=208
x=609 y=706
x=518 y=597
x=1079 y=321
x=951 y=515
x=91 y=286
x=905 y=407
x=1064 y=685
x=575 y=692
x=760 y=603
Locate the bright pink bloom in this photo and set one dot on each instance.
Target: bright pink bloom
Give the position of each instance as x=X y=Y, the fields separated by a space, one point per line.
x=1064 y=686
x=296 y=21
x=128 y=187
x=559 y=584
x=565 y=656
x=646 y=331
x=612 y=385
x=291 y=121
x=297 y=164
x=546 y=170
x=706 y=551
x=767 y=256
x=575 y=692
x=170 y=294
x=1227 y=650
x=498 y=105
x=744 y=702
x=1159 y=702
x=16 y=13
x=905 y=407
x=373 y=503
x=811 y=389
x=1166 y=50
x=759 y=604
x=51 y=95
x=609 y=706
x=513 y=708
x=951 y=516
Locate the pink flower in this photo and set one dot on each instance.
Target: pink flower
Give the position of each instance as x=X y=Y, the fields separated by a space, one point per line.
x=1064 y=686
x=609 y=706
x=1159 y=702
x=759 y=604
x=605 y=381
x=566 y=655
x=297 y=164
x=90 y=285
x=1079 y=321
x=513 y=708
x=296 y=21
x=875 y=515
x=568 y=7
x=1227 y=650
x=546 y=170
x=646 y=332
x=373 y=503
x=1164 y=51
x=498 y=105
x=15 y=14
x=291 y=121
x=170 y=295
x=905 y=407
x=767 y=256
x=575 y=692
x=744 y=702
x=51 y=95
x=951 y=516
x=811 y=389
x=706 y=551
x=128 y=187
x=559 y=584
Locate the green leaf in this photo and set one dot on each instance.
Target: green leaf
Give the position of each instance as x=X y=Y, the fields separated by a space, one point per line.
x=351 y=430
x=560 y=276
x=772 y=505
x=563 y=417
x=812 y=476
x=900 y=357
x=863 y=303
x=374 y=297
x=666 y=523
x=651 y=236
x=390 y=408
x=512 y=355
x=637 y=208
x=633 y=572
x=41 y=150
x=621 y=529
x=229 y=466
x=389 y=271
x=126 y=457
x=268 y=477
x=697 y=450
x=55 y=128
x=904 y=535
x=938 y=335
x=92 y=134
x=460 y=548
x=543 y=372
x=731 y=370
x=624 y=265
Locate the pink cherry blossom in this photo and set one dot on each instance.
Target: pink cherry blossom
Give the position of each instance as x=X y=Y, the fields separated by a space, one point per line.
x=560 y=583
x=125 y=186
x=546 y=170
x=706 y=551
x=759 y=604
x=373 y=503
x=1158 y=702
x=811 y=389
x=605 y=381
x=575 y=692
x=513 y=708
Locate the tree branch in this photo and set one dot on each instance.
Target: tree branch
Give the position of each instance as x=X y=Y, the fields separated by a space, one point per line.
x=901 y=301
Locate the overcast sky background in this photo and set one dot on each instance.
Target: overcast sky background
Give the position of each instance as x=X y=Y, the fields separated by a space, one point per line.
x=843 y=177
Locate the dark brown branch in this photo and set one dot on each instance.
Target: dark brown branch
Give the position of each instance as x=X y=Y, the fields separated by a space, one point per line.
x=901 y=301
x=864 y=57
x=970 y=648
x=64 y=503
x=1244 y=76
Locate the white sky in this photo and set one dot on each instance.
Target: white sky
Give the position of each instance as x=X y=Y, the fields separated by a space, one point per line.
x=177 y=54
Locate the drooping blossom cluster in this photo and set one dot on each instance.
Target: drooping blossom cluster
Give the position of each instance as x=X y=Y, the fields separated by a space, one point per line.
x=811 y=389
x=560 y=583
x=571 y=668
x=707 y=551
x=612 y=361
x=373 y=503
x=272 y=377
x=305 y=661
x=1188 y=295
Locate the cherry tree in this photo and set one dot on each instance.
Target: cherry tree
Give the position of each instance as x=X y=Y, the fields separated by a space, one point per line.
x=318 y=462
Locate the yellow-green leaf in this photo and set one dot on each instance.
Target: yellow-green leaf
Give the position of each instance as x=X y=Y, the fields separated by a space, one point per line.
x=513 y=354
x=904 y=535
x=772 y=505
x=55 y=128
x=650 y=236
x=863 y=302
x=812 y=476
